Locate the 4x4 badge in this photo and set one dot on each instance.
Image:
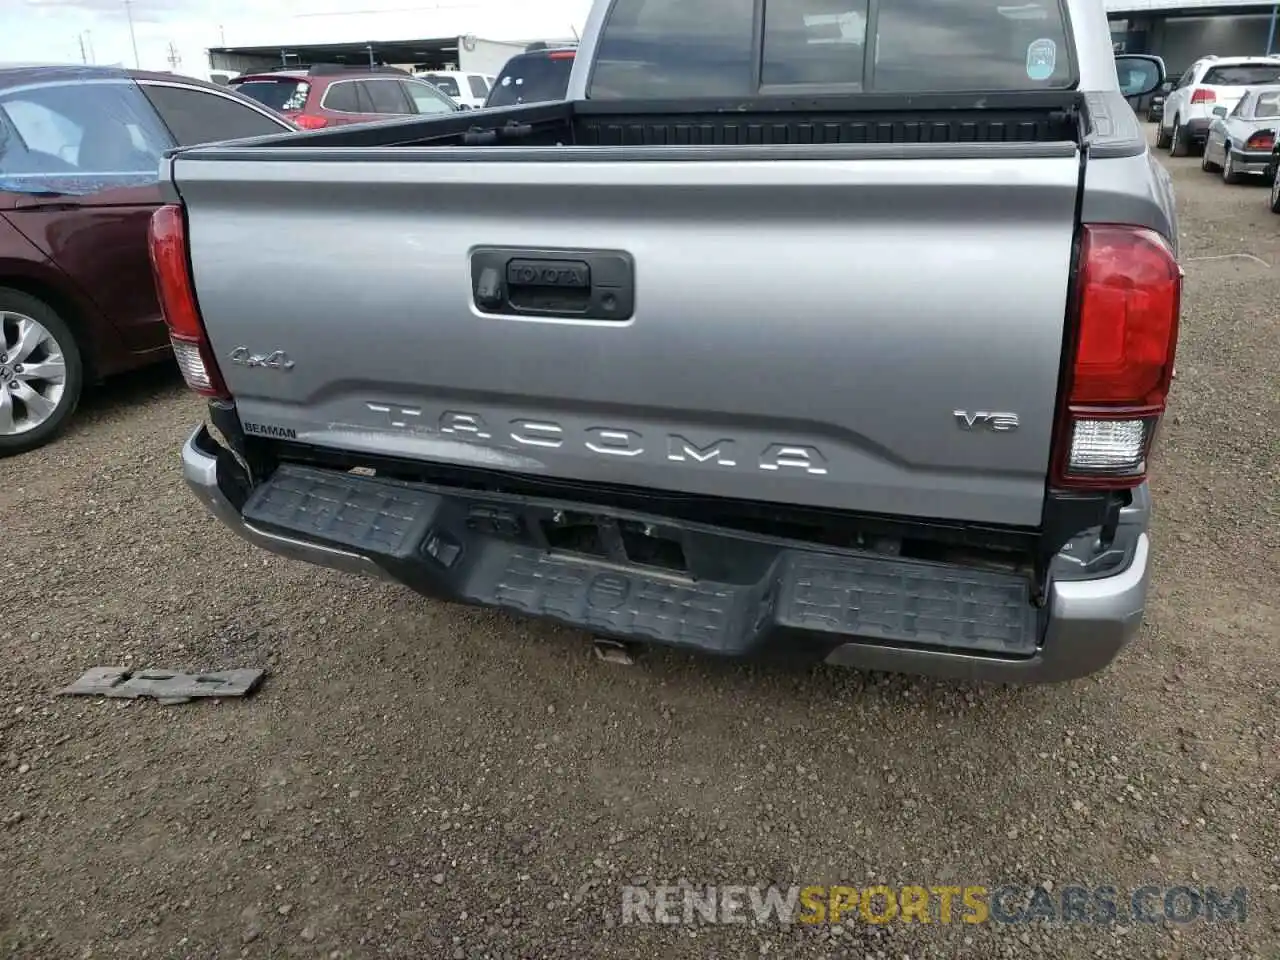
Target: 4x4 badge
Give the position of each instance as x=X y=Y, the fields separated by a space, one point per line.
x=276 y=360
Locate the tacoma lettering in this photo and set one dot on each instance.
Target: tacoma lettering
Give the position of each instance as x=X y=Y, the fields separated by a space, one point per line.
x=781 y=457
x=533 y=433
x=612 y=442
x=398 y=417
x=682 y=450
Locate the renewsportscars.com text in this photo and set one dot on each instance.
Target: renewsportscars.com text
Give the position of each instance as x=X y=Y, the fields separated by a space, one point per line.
x=944 y=904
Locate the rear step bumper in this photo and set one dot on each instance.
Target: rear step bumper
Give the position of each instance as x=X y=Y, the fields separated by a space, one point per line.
x=715 y=591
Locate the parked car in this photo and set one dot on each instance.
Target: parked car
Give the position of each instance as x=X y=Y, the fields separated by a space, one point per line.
x=1240 y=142
x=537 y=76
x=1209 y=82
x=1273 y=177
x=757 y=382
x=468 y=89
x=1155 y=108
x=80 y=151
x=329 y=95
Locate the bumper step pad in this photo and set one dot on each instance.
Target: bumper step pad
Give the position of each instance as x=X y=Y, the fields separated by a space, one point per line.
x=376 y=517
x=423 y=537
x=905 y=602
x=635 y=604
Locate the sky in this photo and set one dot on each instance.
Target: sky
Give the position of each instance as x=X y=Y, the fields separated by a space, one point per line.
x=54 y=30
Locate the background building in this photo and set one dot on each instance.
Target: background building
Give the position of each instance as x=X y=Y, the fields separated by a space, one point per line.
x=1181 y=31
x=467 y=52
x=465 y=36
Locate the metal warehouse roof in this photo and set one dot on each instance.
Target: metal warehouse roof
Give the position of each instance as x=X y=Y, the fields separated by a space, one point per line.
x=1197 y=8
x=383 y=51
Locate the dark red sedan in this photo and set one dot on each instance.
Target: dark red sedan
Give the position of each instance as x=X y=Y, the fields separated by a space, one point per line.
x=80 y=152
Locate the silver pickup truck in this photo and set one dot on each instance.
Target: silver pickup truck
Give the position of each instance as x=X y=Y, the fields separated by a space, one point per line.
x=758 y=343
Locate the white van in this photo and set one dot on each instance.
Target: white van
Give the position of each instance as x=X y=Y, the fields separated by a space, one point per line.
x=469 y=89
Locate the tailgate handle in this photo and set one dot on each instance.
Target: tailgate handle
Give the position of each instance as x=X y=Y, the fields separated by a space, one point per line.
x=564 y=274
x=557 y=286
x=568 y=284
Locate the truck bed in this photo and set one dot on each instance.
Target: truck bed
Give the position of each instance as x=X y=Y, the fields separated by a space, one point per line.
x=1011 y=118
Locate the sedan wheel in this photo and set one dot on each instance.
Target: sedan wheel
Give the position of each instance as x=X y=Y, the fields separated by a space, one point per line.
x=1206 y=164
x=1229 y=174
x=40 y=373
x=1275 y=192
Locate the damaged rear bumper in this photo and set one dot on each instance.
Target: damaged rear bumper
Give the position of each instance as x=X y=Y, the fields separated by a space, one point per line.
x=1253 y=162
x=730 y=593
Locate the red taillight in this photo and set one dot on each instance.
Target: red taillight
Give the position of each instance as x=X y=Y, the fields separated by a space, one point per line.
x=309 y=121
x=1122 y=350
x=1262 y=140
x=561 y=55
x=1201 y=95
x=174 y=289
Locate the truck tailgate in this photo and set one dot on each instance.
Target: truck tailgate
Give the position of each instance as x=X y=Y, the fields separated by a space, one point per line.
x=874 y=335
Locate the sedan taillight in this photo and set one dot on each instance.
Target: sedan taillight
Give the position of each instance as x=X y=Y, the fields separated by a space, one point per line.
x=1262 y=140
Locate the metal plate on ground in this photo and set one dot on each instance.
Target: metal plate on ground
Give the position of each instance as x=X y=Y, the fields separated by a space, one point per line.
x=167 y=686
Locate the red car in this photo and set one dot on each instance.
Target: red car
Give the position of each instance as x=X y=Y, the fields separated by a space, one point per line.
x=327 y=95
x=80 y=153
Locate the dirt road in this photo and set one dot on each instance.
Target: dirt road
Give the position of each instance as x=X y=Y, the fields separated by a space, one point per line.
x=420 y=780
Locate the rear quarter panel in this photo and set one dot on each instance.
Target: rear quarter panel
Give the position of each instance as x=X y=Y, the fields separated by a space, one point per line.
x=1124 y=182
x=23 y=266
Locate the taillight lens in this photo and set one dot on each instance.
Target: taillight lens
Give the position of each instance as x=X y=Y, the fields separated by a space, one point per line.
x=309 y=121
x=1201 y=95
x=1122 y=351
x=1262 y=140
x=176 y=293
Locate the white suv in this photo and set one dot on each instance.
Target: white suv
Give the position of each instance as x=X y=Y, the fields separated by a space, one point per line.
x=1209 y=82
x=469 y=89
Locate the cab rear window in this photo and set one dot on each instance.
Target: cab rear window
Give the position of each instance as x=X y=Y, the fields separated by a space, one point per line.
x=656 y=49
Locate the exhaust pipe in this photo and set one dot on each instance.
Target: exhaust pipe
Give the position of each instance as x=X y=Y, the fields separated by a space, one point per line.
x=614 y=651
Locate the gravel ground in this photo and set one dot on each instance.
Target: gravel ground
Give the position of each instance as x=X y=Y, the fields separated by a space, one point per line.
x=422 y=780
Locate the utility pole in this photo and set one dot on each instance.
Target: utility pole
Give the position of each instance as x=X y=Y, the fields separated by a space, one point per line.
x=83 y=56
x=173 y=58
x=133 y=38
x=88 y=36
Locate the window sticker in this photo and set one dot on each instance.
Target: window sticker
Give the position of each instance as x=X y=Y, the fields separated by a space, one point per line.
x=1042 y=58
